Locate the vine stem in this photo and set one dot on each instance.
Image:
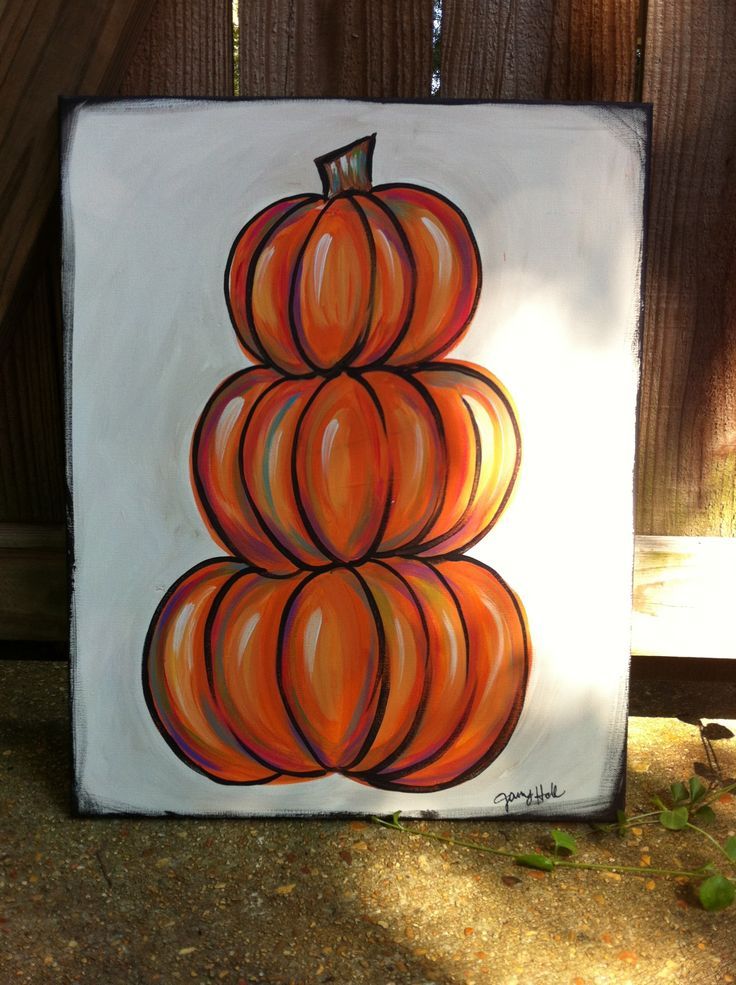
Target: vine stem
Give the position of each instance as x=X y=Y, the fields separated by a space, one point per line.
x=396 y=825
x=721 y=849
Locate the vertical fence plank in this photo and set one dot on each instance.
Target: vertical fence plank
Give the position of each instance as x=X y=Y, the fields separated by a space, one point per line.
x=186 y=50
x=687 y=466
x=539 y=49
x=350 y=48
x=47 y=48
x=31 y=420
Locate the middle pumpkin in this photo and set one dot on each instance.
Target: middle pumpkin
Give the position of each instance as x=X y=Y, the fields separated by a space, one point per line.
x=304 y=473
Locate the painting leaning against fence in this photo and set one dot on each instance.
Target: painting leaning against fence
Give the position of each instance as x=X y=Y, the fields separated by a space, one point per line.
x=359 y=637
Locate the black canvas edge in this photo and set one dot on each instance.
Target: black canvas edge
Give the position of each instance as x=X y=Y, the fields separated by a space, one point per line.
x=618 y=801
x=67 y=117
x=83 y=804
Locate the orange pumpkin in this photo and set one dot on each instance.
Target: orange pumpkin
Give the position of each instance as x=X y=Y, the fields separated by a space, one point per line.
x=358 y=276
x=304 y=472
x=403 y=674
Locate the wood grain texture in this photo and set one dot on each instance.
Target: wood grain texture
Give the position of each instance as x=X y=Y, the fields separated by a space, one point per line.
x=539 y=49
x=185 y=50
x=31 y=418
x=33 y=582
x=683 y=597
x=350 y=48
x=687 y=449
x=48 y=48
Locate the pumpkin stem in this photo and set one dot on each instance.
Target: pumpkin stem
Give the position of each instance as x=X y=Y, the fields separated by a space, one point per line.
x=348 y=168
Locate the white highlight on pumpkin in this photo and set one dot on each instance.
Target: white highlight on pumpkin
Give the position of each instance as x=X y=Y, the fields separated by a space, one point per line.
x=500 y=635
x=181 y=625
x=245 y=635
x=267 y=255
x=443 y=270
x=181 y=681
x=388 y=252
x=451 y=639
x=399 y=668
x=320 y=260
x=487 y=452
x=228 y=420
x=328 y=440
x=273 y=454
x=311 y=637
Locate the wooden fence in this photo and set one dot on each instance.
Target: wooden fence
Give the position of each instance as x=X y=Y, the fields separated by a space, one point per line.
x=680 y=56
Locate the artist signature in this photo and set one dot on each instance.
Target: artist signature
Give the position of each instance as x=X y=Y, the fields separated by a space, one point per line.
x=532 y=797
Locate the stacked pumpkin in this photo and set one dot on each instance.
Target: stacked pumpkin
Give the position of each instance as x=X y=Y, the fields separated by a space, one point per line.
x=344 y=473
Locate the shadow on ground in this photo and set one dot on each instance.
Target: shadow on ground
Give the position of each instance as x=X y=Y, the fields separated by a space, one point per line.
x=139 y=901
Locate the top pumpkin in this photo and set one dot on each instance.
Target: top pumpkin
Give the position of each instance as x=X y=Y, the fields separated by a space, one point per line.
x=358 y=276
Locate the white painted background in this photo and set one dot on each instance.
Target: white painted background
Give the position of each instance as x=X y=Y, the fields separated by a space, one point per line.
x=154 y=194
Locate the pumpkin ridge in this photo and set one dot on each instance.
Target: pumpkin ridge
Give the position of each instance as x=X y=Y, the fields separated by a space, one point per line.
x=414 y=545
x=444 y=746
x=512 y=717
x=304 y=516
x=280 y=671
x=361 y=339
x=272 y=536
x=250 y=277
x=201 y=496
x=209 y=668
x=382 y=677
x=386 y=512
x=421 y=704
x=148 y=696
x=436 y=352
x=296 y=276
x=300 y=201
x=488 y=380
x=403 y=331
x=212 y=615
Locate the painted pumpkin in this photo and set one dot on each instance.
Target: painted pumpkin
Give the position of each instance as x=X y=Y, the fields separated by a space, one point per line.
x=357 y=276
x=304 y=472
x=403 y=674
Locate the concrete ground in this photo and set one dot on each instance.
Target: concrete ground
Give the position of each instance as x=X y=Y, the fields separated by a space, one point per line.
x=148 y=901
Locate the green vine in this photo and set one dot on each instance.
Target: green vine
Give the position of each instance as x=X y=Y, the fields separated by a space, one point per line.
x=691 y=805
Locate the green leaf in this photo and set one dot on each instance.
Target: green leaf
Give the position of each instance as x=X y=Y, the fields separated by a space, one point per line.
x=535 y=862
x=729 y=847
x=697 y=788
x=563 y=841
x=674 y=820
x=717 y=893
x=395 y=817
x=679 y=793
x=714 y=731
x=704 y=815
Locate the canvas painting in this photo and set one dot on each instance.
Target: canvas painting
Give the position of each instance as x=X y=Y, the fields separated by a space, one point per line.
x=351 y=404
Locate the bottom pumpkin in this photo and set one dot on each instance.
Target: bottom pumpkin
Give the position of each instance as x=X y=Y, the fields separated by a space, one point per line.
x=403 y=674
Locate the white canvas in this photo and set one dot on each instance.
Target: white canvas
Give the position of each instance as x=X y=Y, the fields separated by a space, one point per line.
x=154 y=194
